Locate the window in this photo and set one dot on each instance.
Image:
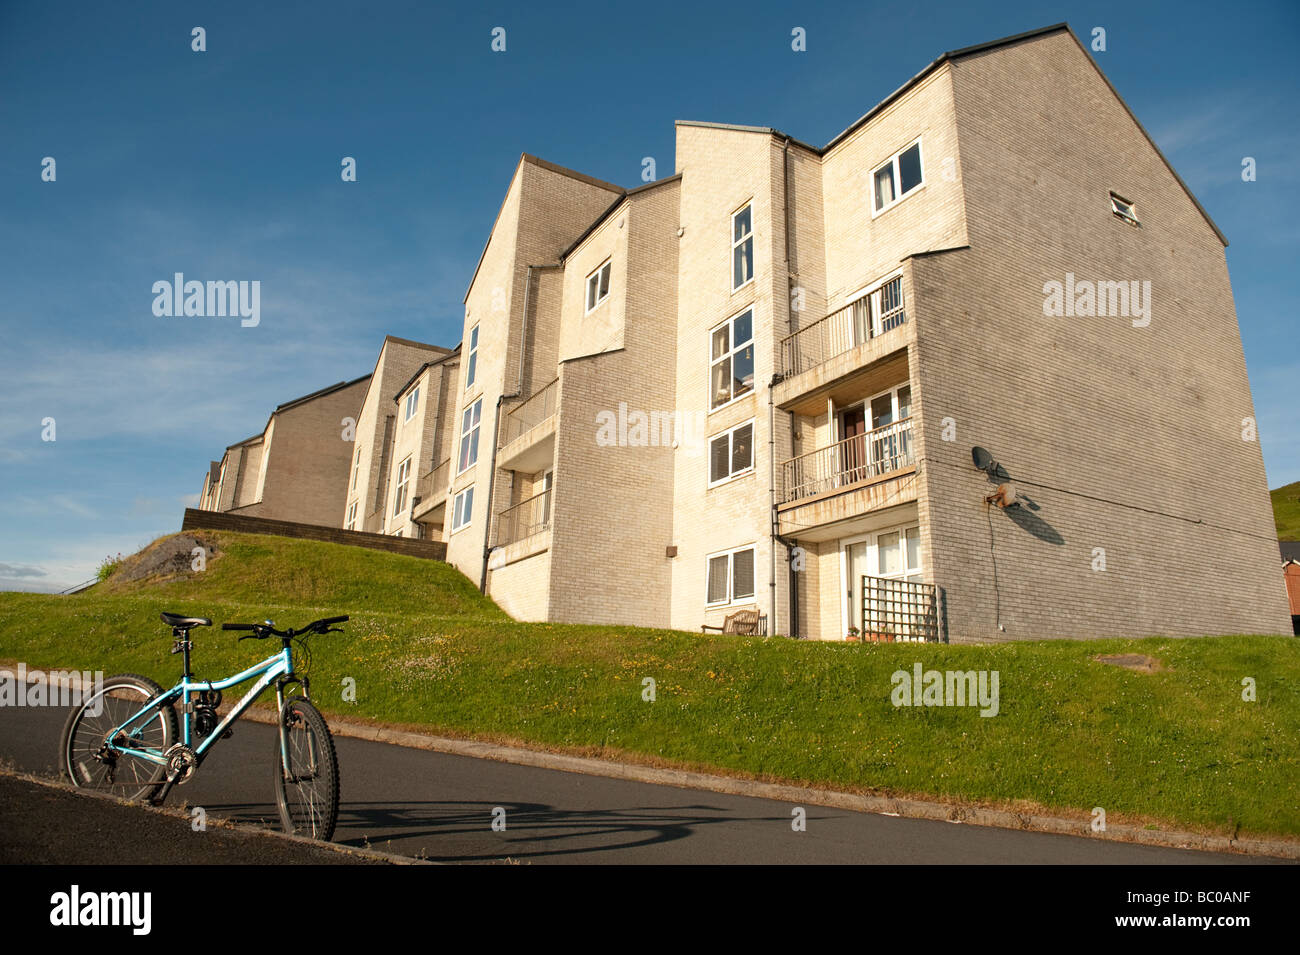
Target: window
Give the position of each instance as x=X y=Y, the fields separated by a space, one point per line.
x=731 y=453
x=898 y=554
x=356 y=469
x=878 y=310
x=598 y=286
x=731 y=577
x=1124 y=209
x=462 y=508
x=469 y=423
x=352 y=517
x=742 y=247
x=403 y=479
x=897 y=178
x=412 y=403
x=471 y=366
x=731 y=360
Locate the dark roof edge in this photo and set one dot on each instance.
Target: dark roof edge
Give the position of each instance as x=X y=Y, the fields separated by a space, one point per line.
x=600 y=219
x=542 y=164
x=943 y=58
x=414 y=344
x=316 y=394
x=1142 y=129
x=454 y=353
x=571 y=173
x=738 y=128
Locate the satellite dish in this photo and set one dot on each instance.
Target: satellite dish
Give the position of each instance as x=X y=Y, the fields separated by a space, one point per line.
x=983 y=460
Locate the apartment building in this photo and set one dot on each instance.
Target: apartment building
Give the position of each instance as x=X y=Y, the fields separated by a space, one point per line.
x=297 y=467
x=399 y=440
x=971 y=371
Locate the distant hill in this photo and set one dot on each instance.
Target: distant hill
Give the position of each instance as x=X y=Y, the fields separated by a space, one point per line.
x=1286 y=511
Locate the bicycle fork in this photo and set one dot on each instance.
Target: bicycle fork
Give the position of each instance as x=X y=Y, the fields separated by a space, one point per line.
x=286 y=770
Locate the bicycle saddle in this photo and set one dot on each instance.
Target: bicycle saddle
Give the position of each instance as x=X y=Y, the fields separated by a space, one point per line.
x=184 y=623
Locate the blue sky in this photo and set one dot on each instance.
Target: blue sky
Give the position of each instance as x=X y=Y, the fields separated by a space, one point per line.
x=225 y=165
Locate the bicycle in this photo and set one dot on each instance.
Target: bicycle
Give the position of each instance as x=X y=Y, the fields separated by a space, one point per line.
x=124 y=737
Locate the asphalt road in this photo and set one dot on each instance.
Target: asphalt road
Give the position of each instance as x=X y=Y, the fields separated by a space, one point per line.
x=441 y=807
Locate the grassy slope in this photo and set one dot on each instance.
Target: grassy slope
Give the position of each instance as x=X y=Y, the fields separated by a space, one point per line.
x=1286 y=511
x=1177 y=746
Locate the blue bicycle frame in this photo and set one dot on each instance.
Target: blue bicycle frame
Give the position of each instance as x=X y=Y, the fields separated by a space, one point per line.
x=276 y=669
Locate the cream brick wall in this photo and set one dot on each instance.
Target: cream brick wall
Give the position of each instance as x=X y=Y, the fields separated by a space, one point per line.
x=1124 y=438
x=545 y=210
x=613 y=504
x=378 y=427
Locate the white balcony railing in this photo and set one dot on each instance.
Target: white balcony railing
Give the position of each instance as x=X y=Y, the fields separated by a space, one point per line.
x=859 y=458
x=860 y=321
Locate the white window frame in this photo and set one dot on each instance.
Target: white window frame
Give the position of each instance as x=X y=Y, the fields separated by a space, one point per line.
x=729 y=435
x=457 y=509
x=1123 y=209
x=351 y=523
x=872 y=293
x=732 y=600
x=731 y=353
x=737 y=243
x=605 y=269
x=403 y=481
x=412 y=404
x=356 y=470
x=897 y=180
x=471 y=363
x=468 y=430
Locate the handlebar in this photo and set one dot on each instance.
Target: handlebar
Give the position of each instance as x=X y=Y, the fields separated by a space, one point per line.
x=263 y=630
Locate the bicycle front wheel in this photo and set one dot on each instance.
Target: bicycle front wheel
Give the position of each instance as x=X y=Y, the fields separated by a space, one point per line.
x=84 y=754
x=308 y=791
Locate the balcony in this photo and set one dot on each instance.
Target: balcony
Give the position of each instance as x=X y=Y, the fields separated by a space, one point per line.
x=528 y=432
x=846 y=341
x=431 y=493
x=523 y=520
x=821 y=491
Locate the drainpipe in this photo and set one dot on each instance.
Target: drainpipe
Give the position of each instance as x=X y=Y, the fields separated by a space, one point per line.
x=496 y=433
x=771 y=493
x=793 y=583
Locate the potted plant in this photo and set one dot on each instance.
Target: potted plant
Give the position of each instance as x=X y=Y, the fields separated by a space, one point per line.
x=854 y=635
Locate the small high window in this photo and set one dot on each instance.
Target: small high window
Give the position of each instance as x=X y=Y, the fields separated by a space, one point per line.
x=598 y=286
x=1124 y=209
x=412 y=404
x=897 y=178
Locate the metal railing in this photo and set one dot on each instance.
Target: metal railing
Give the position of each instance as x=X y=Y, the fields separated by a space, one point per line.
x=899 y=611
x=859 y=458
x=535 y=409
x=861 y=320
x=432 y=484
x=524 y=519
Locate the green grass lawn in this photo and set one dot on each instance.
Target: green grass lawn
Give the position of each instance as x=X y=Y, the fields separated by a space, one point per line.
x=1286 y=511
x=1177 y=747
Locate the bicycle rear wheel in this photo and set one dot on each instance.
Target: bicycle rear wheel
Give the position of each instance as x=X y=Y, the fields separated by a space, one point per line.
x=309 y=797
x=83 y=756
